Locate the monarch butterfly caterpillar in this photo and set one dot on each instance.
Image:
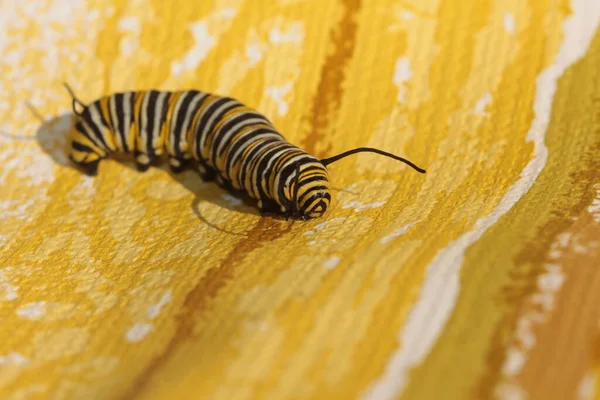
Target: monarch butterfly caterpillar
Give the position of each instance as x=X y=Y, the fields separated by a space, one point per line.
x=228 y=141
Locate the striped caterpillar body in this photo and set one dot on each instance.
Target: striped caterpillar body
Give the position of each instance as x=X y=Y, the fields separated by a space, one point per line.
x=226 y=140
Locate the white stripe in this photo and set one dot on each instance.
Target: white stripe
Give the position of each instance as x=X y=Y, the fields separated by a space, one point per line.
x=158 y=113
x=92 y=135
x=188 y=119
x=127 y=111
x=440 y=290
x=97 y=120
x=171 y=139
x=143 y=128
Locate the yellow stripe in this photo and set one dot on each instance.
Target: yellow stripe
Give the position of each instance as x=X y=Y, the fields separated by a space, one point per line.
x=130 y=136
x=105 y=109
x=163 y=139
x=108 y=134
x=82 y=156
x=81 y=138
x=135 y=126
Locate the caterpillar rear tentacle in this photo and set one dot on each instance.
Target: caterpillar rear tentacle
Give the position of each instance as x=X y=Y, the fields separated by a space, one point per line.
x=228 y=142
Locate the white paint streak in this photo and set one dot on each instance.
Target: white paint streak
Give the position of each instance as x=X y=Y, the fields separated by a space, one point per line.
x=8 y=291
x=441 y=286
x=515 y=360
x=398 y=232
x=536 y=310
x=332 y=262
x=509 y=23
x=594 y=208
x=407 y=15
x=227 y=12
x=138 y=332
x=32 y=311
x=204 y=42
x=295 y=34
x=154 y=310
x=481 y=105
x=360 y=207
x=322 y=225
x=587 y=387
x=278 y=94
x=129 y=24
x=254 y=54
x=402 y=74
x=205 y=39
x=14 y=358
x=509 y=392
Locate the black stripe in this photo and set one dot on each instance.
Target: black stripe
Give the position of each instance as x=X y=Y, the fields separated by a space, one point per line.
x=227 y=126
x=98 y=106
x=250 y=163
x=81 y=147
x=263 y=174
x=132 y=120
x=163 y=113
x=119 y=104
x=79 y=127
x=313 y=168
x=245 y=164
x=320 y=203
x=207 y=114
x=150 y=114
x=288 y=169
x=108 y=130
x=184 y=109
x=312 y=179
x=310 y=192
x=243 y=140
x=86 y=115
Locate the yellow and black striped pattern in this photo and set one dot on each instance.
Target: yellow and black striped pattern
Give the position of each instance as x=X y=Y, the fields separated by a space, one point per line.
x=223 y=138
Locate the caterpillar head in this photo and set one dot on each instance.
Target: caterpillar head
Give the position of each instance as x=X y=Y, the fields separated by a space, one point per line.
x=308 y=195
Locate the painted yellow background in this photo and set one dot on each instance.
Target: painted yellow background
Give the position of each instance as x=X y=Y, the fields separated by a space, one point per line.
x=478 y=280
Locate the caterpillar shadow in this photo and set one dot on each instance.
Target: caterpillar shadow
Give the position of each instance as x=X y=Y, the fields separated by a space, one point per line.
x=53 y=137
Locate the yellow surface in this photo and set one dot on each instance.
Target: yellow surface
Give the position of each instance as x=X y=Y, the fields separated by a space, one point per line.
x=478 y=280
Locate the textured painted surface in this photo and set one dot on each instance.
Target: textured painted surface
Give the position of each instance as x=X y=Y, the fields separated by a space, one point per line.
x=478 y=280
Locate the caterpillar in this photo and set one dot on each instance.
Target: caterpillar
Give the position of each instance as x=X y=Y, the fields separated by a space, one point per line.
x=224 y=139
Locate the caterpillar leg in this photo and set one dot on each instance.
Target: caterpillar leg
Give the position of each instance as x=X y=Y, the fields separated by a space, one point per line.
x=84 y=158
x=143 y=161
x=178 y=165
x=208 y=174
x=89 y=168
x=269 y=207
